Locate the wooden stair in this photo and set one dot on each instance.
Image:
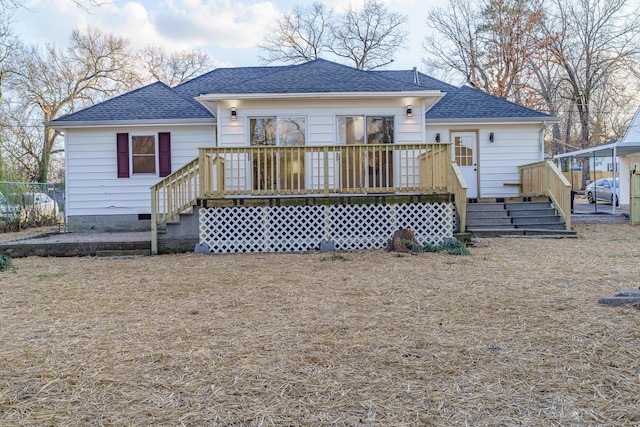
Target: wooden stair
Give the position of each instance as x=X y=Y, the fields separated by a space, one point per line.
x=515 y=219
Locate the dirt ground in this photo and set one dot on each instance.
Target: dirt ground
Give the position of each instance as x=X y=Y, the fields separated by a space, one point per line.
x=510 y=335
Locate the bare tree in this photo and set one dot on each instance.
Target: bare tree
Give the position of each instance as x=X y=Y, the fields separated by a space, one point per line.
x=302 y=35
x=489 y=42
x=368 y=37
x=172 y=68
x=50 y=83
x=597 y=41
x=22 y=136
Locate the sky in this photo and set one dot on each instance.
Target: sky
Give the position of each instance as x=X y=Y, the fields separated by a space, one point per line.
x=228 y=30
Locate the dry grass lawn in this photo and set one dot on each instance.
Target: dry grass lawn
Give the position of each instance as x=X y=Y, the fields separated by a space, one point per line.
x=511 y=335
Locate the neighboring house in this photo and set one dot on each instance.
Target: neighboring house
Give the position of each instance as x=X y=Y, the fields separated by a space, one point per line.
x=313 y=130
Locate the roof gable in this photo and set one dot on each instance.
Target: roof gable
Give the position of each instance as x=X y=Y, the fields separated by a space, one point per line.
x=156 y=101
x=632 y=134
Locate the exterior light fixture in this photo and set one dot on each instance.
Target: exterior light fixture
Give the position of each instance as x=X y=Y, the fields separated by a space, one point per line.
x=491 y=137
x=409 y=111
x=234 y=114
x=437 y=137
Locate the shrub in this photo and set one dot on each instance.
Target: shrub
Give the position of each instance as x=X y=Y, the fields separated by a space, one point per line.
x=6 y=264
x=450 y=246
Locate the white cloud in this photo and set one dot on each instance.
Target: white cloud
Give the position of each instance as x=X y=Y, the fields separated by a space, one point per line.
x=174 y=25
x=219 y=23
x=228 y=30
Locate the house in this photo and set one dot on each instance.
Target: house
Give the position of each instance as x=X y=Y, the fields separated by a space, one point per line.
x=324 y=139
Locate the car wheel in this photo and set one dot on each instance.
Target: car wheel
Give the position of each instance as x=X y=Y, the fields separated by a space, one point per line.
x=590 y=197
x=615 y=200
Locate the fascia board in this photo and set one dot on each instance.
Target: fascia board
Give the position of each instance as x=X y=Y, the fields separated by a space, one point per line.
x=496 y=121
x=129 y=123
x=319 y=95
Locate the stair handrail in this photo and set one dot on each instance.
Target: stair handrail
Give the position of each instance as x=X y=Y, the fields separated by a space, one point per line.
x=545 y=179
x=172 y=196
x=459 y=189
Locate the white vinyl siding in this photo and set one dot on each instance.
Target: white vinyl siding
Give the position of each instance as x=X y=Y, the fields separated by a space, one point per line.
x=321 y=118
x=498 y=161
x=92 y=185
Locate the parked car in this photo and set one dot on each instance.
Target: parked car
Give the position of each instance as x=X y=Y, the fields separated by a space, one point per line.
x=7 y=212
x=602 y=189
x=38 y=204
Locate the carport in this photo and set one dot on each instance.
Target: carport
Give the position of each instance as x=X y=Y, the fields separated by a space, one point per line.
x=627 y=145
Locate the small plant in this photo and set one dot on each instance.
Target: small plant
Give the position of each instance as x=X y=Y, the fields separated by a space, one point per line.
x=450 y=246
x=413 y=246
x=6 y=264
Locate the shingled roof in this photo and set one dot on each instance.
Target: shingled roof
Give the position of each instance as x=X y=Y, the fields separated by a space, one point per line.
x=465 y=102
x=156 y=101
x=160 y=102
x=318 y=76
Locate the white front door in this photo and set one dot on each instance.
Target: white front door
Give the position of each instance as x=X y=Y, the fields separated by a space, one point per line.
x=465 y=154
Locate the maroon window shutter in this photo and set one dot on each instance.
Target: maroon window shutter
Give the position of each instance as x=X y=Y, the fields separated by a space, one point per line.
x=123 y=154
x=164 y=153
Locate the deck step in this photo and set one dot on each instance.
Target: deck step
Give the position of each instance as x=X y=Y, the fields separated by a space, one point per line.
x=514 y=219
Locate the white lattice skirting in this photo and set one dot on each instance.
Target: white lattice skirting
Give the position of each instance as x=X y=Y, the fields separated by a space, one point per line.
x=302 y=228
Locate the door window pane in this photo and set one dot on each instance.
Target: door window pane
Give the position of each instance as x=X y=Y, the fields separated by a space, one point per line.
x=291 y=131
x=380 y=130
x=262 y=131
x=351 y=130
x=463 y=154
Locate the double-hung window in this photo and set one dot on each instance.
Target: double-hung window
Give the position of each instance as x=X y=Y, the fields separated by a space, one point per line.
x=143 y=154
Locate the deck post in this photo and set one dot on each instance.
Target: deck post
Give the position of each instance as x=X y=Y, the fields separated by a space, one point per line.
x=154 y=221
x=203 y=173
x=449 y=169
x=326 y=171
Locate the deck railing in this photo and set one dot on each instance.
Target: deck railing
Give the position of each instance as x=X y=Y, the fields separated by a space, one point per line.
x=545 y=179
x=173 y=195
x=324 y=170
x=314 y=171
x=459 y=190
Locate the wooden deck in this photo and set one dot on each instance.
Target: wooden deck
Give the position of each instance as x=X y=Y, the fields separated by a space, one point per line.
x=339 y=174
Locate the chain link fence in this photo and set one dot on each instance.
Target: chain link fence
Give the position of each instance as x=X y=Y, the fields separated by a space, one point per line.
x=24 y=205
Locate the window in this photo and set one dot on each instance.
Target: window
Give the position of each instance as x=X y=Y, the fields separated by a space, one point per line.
x=283 y=169
x=262 y=131
x=378 y=130
x=372 y=168
x=143 y=154
x=277 y=131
